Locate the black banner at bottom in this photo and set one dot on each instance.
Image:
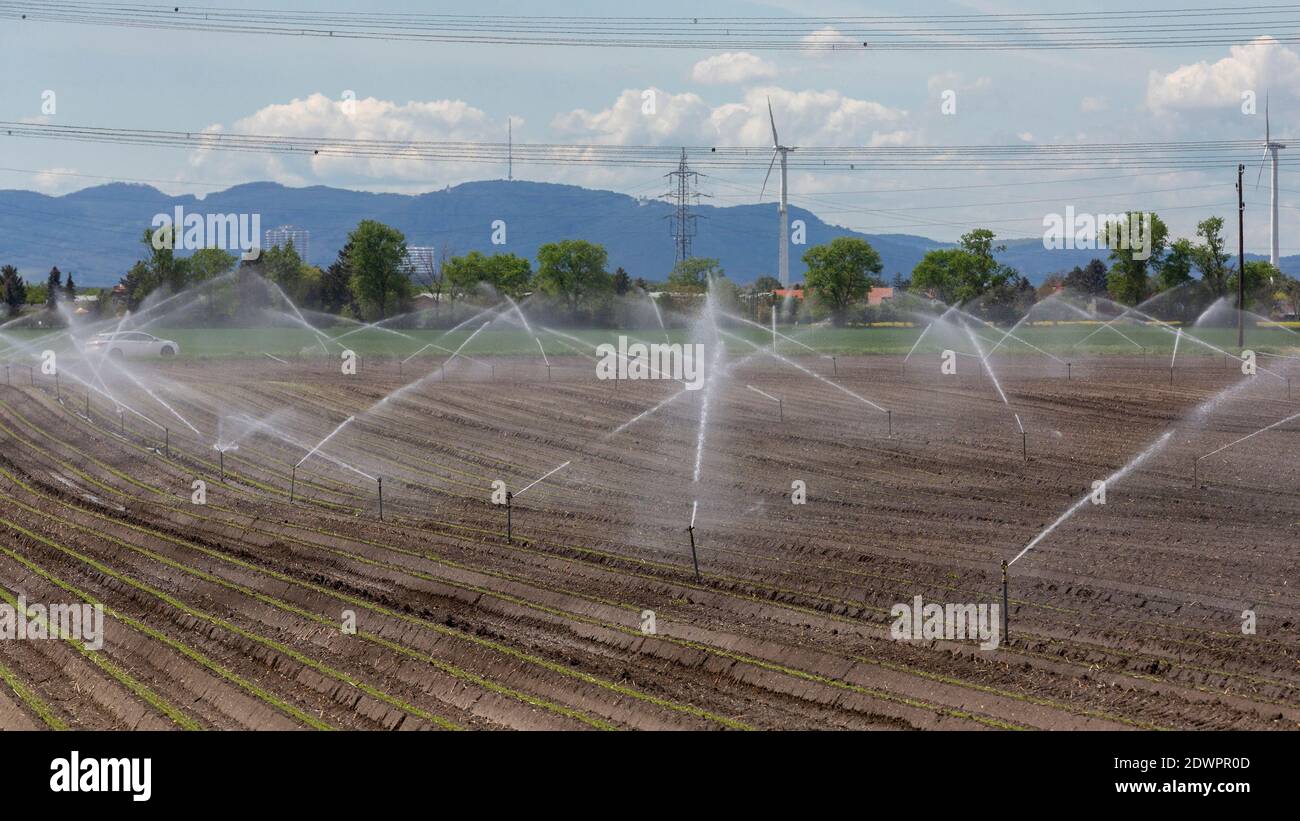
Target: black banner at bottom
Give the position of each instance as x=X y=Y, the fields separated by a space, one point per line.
x=134 y=773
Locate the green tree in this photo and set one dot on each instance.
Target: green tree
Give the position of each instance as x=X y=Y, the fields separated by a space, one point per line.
x=1261 y=276
x=160 y=268
x=1211 y=257
x=210 y=263
x=1090 y=279
x=508 y=274
x=694 y=274
x=53 y=288
x=283 y=266
x=622 y=281
x=958 y=275
x=138 y=283
x=573 y=270
x=1176 y=268
x=767 y=284
x=379 y=273
x=336 y=284
x=841 y=272
x=1131 y=267
x=12 y=289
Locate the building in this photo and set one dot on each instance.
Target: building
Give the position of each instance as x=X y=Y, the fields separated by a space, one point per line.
x=421 y=260
x=282 y=236
x=878 y=295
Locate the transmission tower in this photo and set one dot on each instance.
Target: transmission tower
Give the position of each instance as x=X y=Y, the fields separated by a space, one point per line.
x=683 y=191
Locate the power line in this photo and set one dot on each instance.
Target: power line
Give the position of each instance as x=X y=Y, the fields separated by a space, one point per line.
x=1128 y=157
x=1145 y=28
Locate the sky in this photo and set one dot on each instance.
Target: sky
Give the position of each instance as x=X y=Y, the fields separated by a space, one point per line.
x=194 y=81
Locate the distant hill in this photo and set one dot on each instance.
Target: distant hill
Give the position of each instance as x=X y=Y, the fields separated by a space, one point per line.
x=95 y=233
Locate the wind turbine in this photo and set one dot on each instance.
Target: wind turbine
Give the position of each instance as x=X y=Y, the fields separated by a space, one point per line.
x=778 y=150
x=1270 y=147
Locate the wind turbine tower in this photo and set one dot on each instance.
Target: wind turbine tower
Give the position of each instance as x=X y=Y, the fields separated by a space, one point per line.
x=783 y=249
x=1270 y=149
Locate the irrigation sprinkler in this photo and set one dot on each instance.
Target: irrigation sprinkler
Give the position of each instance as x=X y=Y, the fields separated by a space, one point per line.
x=121 y=418
x=380 y=479
x=58 y=393
x=1171 y=374
x=509 y=524
x=293 y=482
x=889 y=419
x=1006 y=634
x=1196 y=464
x=1068 y=371
x=88 y=403
x=695 y=559
x=548 y=373
x=835 y=368
x=31 y=374
x=493 y=366
x=1024 y=444
x=442 y=373
x=167 y=443
x=221 y=459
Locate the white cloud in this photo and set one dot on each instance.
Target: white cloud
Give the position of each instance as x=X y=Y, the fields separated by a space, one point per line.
x=1026 y=136
x=56 y=181
x=828 y=36
x=808 y=117
x=1091 y=105
x=640 y=116
x=1258 y=67
x=732 y=67
x=319 y=115
x=956 y=81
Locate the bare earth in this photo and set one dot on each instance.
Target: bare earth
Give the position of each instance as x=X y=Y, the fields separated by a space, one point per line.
x=229 y=614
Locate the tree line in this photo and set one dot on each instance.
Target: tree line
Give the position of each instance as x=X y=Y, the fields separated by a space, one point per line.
x=375 y=278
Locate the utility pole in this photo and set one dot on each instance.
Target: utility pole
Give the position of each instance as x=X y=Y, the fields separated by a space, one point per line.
x=682 y=190
x=1241 y=262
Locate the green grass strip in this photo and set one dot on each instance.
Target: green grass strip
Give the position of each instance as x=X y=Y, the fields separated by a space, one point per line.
x=193 y=655
x=239 y=631
x=122 y=677
x=33 y=702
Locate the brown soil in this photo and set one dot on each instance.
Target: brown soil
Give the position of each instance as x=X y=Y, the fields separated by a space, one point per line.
x=228 y=614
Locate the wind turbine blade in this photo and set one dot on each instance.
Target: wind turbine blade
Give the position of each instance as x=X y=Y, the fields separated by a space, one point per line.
x=1260 y=175
x=776 y=141
x=768 y=175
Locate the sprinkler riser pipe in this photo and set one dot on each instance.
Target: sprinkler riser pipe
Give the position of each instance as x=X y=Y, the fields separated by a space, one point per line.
x=695 y=559
x=1006 y=632
x=509 y=516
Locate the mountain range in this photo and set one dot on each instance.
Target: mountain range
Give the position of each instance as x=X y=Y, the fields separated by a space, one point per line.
x=95 y=233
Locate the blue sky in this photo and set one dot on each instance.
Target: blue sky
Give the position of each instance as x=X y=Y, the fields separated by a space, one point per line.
x=264 y=84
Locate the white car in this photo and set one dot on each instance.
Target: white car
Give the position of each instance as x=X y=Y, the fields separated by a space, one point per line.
x=135 y=344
